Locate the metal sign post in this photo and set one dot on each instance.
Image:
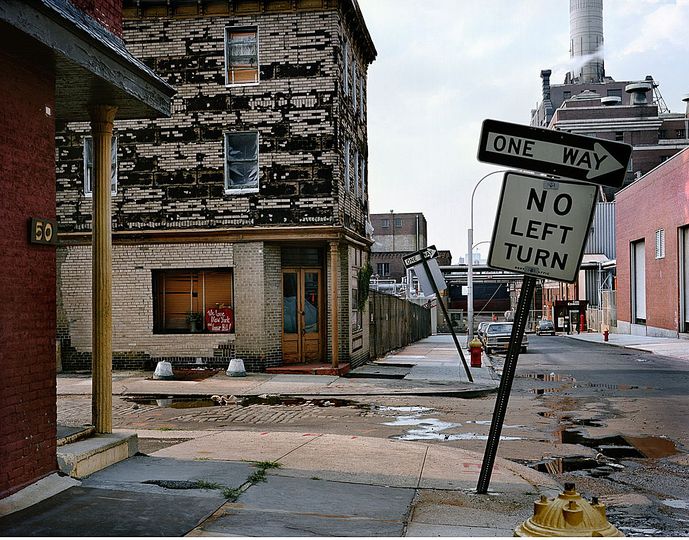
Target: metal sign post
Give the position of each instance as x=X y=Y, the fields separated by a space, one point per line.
x=422 y=257
x=424 y=261
x=518 y=328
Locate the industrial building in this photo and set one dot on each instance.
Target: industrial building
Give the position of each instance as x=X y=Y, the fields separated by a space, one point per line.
x=591 y=103
x=239 y=224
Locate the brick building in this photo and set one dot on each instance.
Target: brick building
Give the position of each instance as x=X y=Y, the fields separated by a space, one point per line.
x=396 y=234
x=653 y=252
x=239 y=224
x=59 y=61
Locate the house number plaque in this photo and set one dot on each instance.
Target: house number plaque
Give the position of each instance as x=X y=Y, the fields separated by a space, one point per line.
x=43 y=231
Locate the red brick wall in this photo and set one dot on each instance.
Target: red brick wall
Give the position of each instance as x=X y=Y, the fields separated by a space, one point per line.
x=107 y=12
x=27 y=271
x=658 y=200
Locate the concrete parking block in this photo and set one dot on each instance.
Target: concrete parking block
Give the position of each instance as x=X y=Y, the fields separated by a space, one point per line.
x=361 y=463
x=239 y=446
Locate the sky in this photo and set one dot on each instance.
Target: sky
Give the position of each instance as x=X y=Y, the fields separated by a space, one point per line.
x=444 y=66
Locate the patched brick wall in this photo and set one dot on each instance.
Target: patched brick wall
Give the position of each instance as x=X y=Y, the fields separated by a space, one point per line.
x=258 y=279
x=27 y=281
x=135 y=345
x=171 y=171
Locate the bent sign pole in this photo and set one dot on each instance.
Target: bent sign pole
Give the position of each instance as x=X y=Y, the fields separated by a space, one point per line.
x=422 y=257
x=424 y=261
x=518 y=328
x=597 y=161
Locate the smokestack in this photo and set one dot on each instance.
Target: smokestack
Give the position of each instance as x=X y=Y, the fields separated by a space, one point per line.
x=586 y=38
x=686 y=100
x=545 y=75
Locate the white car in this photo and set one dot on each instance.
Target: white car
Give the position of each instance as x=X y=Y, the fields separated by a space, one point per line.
x=496 y=337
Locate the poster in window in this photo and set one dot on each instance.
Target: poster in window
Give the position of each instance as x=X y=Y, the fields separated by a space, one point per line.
x=220 y=320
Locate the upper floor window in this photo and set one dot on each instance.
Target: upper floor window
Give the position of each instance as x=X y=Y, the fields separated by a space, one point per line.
x=241 y=55
x=241 y=162
x=383 y=269
x=398 y=222
x=356 y=173
x=354 y=86
x=660 y=244
x=616 y=92
x=88 y=166
x=385 y=223
x=566 y=94
x=346 y=67
x=348 y=186
x=363 y=178
x=681 y=133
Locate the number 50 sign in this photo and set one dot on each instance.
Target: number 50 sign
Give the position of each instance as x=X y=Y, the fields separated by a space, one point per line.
x=43 y=231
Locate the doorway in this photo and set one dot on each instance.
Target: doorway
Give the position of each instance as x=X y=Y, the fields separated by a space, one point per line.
x=302 y=315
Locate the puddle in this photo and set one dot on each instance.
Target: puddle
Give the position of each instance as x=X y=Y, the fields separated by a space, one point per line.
x=431 y=429
x=190 y=402
x=384 y=409
x=191 y=374
x=588 y=422
x=291 y=401
x=614 y=446
x=548 y=377
x=489 y=422
x=676 y=503
x=595 y=468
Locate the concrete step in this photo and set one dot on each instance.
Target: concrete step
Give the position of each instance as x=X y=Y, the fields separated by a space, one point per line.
x=84 y=457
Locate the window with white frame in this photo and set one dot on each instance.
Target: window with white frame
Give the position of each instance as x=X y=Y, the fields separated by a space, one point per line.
x=241 y=55
x=383 y=269
x=241 y=162
x=660 y=244
x=88 y=166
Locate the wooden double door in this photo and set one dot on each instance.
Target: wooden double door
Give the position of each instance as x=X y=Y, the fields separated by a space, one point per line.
x=303 y=324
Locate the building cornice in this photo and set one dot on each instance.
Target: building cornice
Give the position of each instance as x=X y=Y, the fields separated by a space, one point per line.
x=301 y=234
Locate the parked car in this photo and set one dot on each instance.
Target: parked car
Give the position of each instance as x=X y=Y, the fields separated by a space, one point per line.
x=481 y=329
x=545 y=327
x=496 y=337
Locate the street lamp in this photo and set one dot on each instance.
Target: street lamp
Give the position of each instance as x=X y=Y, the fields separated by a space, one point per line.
x=470 y=262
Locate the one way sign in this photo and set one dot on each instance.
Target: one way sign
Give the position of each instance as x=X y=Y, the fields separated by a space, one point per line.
x=426 y=253
x=588 y=159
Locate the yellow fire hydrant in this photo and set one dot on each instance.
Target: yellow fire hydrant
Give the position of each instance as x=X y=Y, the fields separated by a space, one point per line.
x=568 y=514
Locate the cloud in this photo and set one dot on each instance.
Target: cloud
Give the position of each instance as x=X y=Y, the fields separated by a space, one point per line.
x=665 y=25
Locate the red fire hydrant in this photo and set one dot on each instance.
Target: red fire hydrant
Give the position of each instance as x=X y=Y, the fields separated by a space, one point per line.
x=475 y=350
x=605 y=334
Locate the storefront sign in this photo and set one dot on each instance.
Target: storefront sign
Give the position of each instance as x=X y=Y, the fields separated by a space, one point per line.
x=220 y=320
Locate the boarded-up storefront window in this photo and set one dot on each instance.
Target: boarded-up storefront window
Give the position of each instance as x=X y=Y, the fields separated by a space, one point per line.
x=182 y=298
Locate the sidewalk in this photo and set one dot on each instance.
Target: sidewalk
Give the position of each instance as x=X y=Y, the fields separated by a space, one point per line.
x=248 y=483
x=672 y=347
x=428 y=367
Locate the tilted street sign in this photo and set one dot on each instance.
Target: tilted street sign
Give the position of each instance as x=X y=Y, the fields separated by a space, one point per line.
x=549 y=151
x=425 y=279
x=415 y=258
x=542 y=226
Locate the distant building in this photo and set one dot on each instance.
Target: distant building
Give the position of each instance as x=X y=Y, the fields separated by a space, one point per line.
x=396 y=235
x=653 y=252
